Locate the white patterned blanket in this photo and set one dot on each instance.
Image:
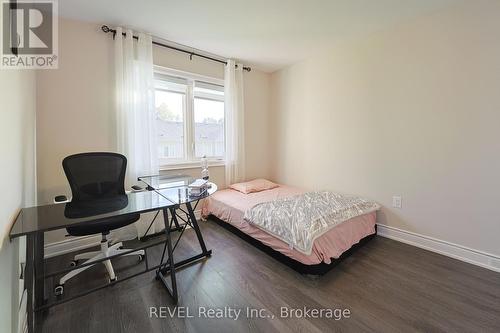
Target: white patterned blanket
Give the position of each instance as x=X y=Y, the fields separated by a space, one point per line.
x=300 y=219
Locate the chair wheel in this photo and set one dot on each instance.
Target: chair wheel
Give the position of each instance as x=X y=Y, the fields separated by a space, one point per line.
x=59 y=290
x=112 y=280
x=73 y=263
x=141 y=257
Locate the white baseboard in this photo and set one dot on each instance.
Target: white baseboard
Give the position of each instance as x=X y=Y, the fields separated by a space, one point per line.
x=479 y=258
x=79 y=243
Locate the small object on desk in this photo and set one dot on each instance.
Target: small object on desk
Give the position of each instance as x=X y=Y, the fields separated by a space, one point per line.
x=60 y=198
x=198 y=183
x=198 y=187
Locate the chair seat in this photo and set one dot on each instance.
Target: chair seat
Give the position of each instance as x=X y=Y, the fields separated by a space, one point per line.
x=103 y=225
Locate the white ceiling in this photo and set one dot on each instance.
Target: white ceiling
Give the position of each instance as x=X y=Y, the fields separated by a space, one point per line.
x=266 y=34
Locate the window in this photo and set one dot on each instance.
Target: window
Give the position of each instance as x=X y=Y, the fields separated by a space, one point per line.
x=189 y=117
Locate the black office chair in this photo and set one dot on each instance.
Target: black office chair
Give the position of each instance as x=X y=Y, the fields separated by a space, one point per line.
x=97 y=183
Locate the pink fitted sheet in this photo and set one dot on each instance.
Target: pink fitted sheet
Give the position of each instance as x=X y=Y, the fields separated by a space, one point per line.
x=230 y=206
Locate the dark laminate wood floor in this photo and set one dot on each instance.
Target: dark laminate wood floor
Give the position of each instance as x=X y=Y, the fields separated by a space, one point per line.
x=386 y=285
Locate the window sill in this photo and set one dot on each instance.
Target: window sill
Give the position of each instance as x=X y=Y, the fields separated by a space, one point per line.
x=190 y=165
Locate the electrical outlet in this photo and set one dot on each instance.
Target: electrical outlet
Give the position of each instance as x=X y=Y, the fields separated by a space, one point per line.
x=396 y=201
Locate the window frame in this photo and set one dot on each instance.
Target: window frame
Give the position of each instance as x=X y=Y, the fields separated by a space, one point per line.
x=189 y=160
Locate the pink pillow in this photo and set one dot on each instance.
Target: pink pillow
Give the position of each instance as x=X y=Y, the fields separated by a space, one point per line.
x=255 y=185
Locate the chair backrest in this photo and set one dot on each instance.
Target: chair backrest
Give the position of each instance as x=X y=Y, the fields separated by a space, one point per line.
x=95 y=175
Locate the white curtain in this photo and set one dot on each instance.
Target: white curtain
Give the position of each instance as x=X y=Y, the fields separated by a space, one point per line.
x=135 y=115
x=235 y=123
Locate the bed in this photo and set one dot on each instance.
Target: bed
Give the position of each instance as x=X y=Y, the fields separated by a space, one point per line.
x=228 y=208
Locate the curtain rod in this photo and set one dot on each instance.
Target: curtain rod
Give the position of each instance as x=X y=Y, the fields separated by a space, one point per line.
x=107 y=29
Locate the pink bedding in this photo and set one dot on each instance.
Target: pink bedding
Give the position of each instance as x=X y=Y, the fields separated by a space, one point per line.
x=230 y=206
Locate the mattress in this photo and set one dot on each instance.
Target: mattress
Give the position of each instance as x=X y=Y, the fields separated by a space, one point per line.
x=230 y=206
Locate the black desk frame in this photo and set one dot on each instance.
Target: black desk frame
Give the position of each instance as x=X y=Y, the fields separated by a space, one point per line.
x=170 y=266
x=35 y=271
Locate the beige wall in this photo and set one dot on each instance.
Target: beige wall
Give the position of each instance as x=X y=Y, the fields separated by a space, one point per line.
x=411 y=111
x=17 y=116
x=74 y=105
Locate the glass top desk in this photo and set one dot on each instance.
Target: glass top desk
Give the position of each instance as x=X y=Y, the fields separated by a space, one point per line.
x=158 y=182
x=44 y=218
x=166 y=194
x=176 y=188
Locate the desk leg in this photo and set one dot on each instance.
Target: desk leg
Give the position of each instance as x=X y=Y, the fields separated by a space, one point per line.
x=174 y=218
x=39 y=270
x=196 y=228
x=29 y=280
x=171 y=263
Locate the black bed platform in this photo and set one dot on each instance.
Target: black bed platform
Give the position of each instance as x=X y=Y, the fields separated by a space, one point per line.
x=318 y=269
